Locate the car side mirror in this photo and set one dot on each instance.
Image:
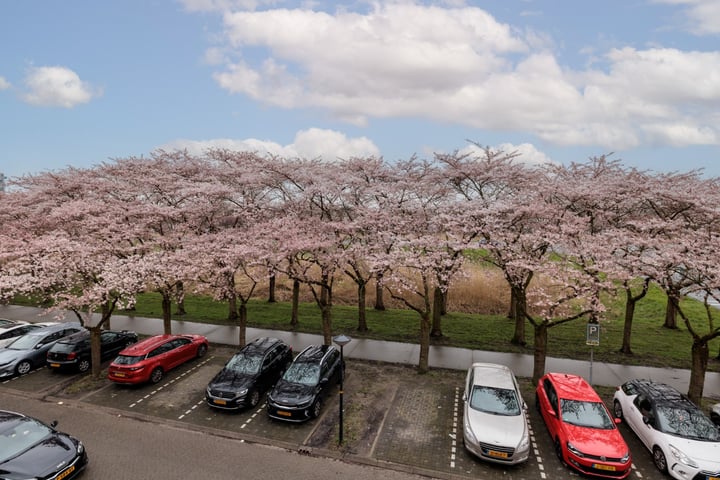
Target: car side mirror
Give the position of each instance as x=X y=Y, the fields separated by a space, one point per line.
x=53 y=424
x=324 y=381
x=39 y=346
x=464 y=397
x=551 y=412
x=617 y=421
x=648 y=421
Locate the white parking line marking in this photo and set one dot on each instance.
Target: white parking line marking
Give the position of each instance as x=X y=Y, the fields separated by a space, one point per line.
x=453 y=435
x=157 y=390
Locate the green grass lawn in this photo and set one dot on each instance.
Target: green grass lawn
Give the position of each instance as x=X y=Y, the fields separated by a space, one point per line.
x=652 y=344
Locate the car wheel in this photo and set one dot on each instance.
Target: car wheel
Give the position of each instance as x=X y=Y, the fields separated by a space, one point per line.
x=659 y=459
x=83 y=365
x=317 y=406
x=23 y=367
x=201 y=351
x=558 y=450
x=253 y=398
x=617 y=409
x=156 y=375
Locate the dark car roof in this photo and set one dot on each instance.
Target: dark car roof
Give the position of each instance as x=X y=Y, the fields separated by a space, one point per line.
x=260 y=345
x=661 y=393
x=54 y=328
x=313 y=353
x=76 y=337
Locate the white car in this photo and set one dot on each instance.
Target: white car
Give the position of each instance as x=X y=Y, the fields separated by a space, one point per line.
x=9 y=333
x=683 y=441
x=495 y=426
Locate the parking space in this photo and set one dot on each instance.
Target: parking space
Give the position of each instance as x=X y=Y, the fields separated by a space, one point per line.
x=392 y=414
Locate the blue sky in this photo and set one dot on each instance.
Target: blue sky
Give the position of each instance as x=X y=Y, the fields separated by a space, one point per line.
x=84 y=81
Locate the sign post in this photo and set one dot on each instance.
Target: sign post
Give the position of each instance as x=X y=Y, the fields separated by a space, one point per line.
x=592 y=339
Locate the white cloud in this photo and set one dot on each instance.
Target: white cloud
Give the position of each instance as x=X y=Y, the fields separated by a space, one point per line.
x=57 y=87
x=527 y=153
x=458 y=65
x=328 y=145
x=703 y=15
x=4 y=84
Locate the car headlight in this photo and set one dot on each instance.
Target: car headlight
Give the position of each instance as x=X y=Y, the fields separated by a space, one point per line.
x=574 y=450
x=242 y=392
x=625 y=457
x=681 y=457
x=469 y=432
x=524 y=442
x=80 y=448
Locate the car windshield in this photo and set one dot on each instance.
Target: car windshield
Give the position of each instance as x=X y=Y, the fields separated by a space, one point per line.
x=497 y=401
x=244 y=363
x=26 y=342
x=687 y=423
x=305 y=373
x=127 y=360
x=16 y=437
x=585 y=414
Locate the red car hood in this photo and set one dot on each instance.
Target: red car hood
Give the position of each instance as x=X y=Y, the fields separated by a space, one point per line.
x=595 y=441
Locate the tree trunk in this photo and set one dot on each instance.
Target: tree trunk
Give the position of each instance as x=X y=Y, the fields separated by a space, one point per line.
x=444 y=300
x=295 y=303
x=106 y=313
x=180 y=310
x=671 y=310
x=362 y=316
x=95 y=358
x=540 y=352
x=436 y=329
x=627 y=328
x=271 y=289
x=326 y=312
x=379 y=298
x=242 y=324
x=519 y=307
x=424 y=360
x=700 y=354
x=166 y=313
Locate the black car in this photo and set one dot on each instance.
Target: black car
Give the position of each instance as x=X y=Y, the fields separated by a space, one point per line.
x=298 y=395
x=73 y=352
x=246 y=376
x=31 y=449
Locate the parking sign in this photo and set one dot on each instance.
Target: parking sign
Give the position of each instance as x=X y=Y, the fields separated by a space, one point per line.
x=593 y=334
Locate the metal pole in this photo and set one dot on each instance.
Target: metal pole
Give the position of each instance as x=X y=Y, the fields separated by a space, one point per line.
x=342 y=381
x=591 y=364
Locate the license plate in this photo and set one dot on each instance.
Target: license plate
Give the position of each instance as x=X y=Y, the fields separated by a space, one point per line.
x=284 y=414
x=608 y=468
x=66 y=473
x=119 y=374
x=220 y=402
x=713 y=478
x=495 y=454
x=56 y=365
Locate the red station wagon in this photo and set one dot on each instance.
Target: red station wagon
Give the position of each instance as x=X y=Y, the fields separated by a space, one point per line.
x=147 y=361
x=585 y=435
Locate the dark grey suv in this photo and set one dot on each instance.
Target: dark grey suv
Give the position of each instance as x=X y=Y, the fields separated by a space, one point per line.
x=299 y=394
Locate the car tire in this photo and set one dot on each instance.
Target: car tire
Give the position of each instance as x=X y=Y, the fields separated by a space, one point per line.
x=558 y=450
x=201 y=351
x=617 y=410
x=156 y=375
x=253 y=398
x=316 y=407
x=83 y=365
x=23 y=367
x=659 y=460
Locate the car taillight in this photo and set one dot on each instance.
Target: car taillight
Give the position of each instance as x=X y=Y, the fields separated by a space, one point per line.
x=71 y=356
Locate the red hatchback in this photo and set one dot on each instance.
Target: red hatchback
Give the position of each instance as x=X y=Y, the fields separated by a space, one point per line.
x=147 y=361
x=586 y=436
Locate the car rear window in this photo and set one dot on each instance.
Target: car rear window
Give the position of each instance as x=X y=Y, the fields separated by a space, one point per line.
x=63 y=347
x=128 y=359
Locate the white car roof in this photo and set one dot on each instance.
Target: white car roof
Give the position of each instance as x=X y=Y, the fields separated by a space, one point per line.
x=492 y=374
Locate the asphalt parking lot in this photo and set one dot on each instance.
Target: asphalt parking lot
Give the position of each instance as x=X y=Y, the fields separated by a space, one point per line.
x=392 y=417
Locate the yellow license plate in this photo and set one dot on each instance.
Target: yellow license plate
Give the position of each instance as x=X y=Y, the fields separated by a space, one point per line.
x=55 y=365
x=66 y=473
x=220 y=402
x=713 y=478
x=608 y=468
x=495 y=454
x=284 y=414
x=119 y=374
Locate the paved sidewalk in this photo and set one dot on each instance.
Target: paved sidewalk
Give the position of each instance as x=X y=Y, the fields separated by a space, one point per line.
x=606 y=374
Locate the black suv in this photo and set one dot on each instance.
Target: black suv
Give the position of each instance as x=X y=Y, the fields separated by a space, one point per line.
x=73 y=352
x=246 y=376
x=298 y=395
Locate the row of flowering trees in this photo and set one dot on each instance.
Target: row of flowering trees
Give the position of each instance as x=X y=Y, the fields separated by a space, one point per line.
x=89 y=240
